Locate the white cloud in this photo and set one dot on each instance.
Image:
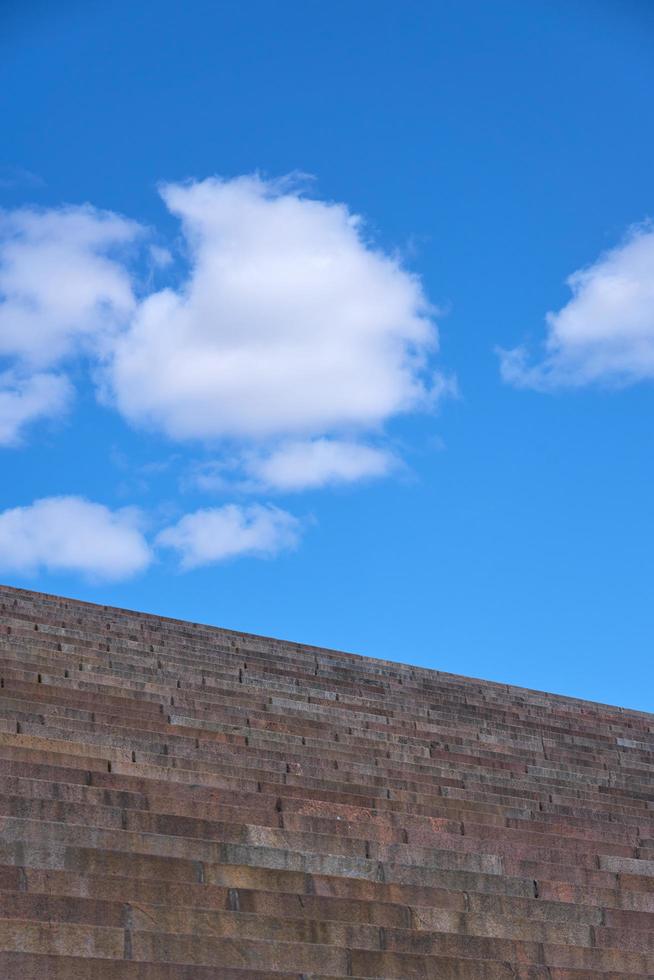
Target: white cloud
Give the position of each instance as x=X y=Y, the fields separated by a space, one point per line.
x=11 y=177
x=293 y=465
x=605 y=333
x=319 y=462
x=290 y=324
x=24 y=400
x=60 y=290
x=71 y=534
x=59 y=283
x=160 y=257
x=218 y=533
x=291 y=337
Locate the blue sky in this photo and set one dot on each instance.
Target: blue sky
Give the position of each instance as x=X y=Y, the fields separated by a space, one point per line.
x=289 y=341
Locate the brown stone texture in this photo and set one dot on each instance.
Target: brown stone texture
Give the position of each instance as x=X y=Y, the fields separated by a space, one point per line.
x=179 y=802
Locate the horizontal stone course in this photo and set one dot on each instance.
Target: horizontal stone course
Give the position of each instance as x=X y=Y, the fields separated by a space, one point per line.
x=178 y=801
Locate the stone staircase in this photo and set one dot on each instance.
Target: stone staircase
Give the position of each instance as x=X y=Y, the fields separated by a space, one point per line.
x=179 y=802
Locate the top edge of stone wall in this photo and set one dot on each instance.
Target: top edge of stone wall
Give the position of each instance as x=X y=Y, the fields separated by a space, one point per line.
x=68 y=603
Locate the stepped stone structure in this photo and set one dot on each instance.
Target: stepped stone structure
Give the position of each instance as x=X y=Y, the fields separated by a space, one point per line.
x=179 y=802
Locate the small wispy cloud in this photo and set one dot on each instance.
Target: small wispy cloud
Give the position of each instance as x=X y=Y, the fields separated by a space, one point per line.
x=309 y=464
x=292 y=466
x=24 y=400
x=13 y=177
x=216 y=534
x=605 y=333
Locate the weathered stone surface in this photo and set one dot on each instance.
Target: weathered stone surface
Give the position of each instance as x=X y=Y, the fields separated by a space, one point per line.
x=179 y=802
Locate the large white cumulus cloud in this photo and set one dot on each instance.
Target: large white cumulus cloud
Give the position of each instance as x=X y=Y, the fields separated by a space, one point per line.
x=605 y=333
x=289 y=323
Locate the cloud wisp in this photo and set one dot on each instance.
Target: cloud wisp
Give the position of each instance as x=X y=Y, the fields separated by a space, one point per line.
x=302 y=465
x=293 y=466
x=25 y=399
x=216 y=534
x=605 y=333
